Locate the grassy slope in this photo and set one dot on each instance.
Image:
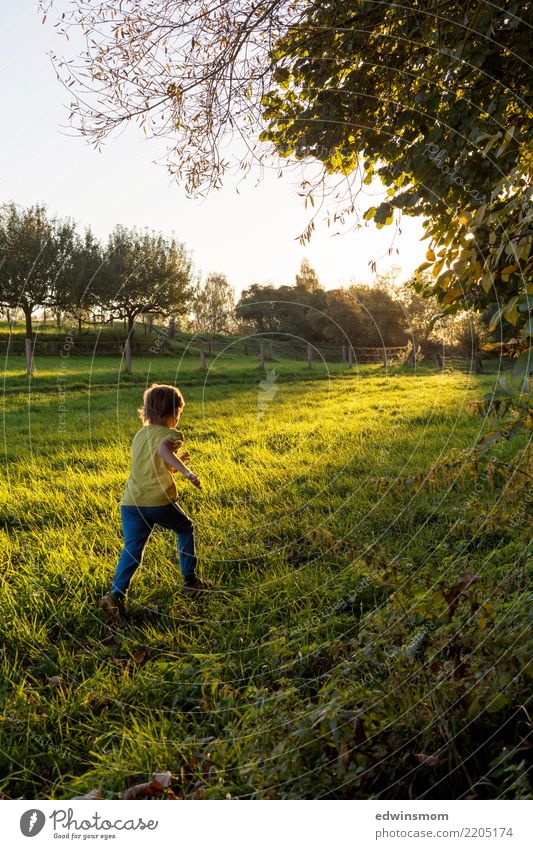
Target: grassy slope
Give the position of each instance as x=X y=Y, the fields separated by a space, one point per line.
x=326 y=664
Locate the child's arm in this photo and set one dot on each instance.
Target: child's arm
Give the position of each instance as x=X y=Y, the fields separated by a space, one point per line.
x=167 y=455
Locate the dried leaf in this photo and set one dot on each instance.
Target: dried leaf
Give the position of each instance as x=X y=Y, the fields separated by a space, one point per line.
x=55 y=681
x=160 y=781
x=140 y=656
x=163 y=778
x=109 y=641
x=92 y=794
x=427 y=760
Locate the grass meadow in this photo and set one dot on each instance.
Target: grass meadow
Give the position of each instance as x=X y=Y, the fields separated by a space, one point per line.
x=368 y=633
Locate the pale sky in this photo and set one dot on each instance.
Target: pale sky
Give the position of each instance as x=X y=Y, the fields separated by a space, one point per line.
x=250 y=235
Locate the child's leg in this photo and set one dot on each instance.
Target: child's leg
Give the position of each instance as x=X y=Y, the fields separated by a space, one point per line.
x=137 y=528
x=174 y=519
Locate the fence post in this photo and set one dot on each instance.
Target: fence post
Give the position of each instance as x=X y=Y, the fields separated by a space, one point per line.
x=29 y=356
x=309 y=355
x=270 y=352
x=385 y=361
x=127 y=355
x=261 y=355
x=202 y=356
x=245 y=349
x=350 y=356
x=210 y=346
x=439 y=360
x=344 y=353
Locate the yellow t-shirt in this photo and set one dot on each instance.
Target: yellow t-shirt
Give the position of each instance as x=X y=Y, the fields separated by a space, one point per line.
x=150 y=483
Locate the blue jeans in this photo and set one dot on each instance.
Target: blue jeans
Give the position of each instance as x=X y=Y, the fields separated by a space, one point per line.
x=137 y=525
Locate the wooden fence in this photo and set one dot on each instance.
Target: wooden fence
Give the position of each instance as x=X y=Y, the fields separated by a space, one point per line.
x=264 y=350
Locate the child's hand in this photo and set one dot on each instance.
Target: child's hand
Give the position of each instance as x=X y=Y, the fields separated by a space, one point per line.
x=184 y=457
x=195 y=481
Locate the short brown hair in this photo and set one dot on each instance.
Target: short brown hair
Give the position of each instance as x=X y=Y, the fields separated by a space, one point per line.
x=159 y=403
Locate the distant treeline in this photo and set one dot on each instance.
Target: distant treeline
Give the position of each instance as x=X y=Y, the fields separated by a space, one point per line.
x=47 y=265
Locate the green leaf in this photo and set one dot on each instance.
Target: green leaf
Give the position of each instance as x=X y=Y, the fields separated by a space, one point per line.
x=489 y=439
x=528 y=329
x=524 y=364
x=369 y=214
x=495 y=320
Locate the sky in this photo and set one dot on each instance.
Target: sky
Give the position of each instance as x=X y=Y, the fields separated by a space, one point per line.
x=248 y=230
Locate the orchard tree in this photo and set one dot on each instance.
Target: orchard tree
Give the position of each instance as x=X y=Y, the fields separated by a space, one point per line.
x=28 y=261
x=83 y=282
x=143 y=273
x=213 y=305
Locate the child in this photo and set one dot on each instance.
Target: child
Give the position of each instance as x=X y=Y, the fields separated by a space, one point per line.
x=150 y=495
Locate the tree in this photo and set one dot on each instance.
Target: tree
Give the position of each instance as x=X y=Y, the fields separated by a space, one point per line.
x=419 y=313
x=384 y=323
x=143 y=273
x=433 y=105
x=364 y=315
x=87 y=265
x=213 y=305
x=192 y=71
x=28 y=259
x=307 y=278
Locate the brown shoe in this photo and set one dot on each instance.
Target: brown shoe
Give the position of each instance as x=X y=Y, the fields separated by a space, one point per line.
x=113 y=606
x=195 y=585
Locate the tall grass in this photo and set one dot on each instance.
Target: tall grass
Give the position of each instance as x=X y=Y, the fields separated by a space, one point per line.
x=326 y=663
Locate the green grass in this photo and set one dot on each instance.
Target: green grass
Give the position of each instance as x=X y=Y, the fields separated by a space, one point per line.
x=326 y=665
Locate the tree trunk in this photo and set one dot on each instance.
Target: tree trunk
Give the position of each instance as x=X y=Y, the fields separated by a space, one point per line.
x=58 y=318
x=28 y=344
x=79 y=323
x=127 y=355
x=29 y=327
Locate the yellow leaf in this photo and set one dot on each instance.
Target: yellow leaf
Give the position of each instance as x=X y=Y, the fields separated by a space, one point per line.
x=486 y=282
x=511 y=311
x=452 y=295
x=507 y=271
x=430 y=255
